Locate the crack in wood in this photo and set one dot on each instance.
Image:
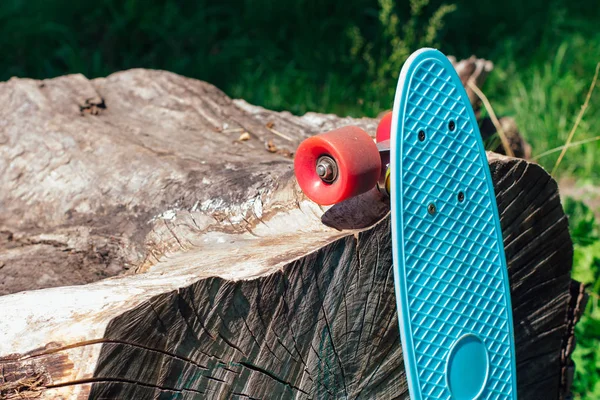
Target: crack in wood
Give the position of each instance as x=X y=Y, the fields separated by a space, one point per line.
x=271 y=375
x=121 y=380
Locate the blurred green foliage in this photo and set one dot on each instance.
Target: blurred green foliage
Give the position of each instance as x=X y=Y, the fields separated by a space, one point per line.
x=343 y=56
x=585 y=233
x=339 y=56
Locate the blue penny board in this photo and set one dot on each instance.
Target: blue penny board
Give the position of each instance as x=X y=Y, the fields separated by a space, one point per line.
x=450 y=272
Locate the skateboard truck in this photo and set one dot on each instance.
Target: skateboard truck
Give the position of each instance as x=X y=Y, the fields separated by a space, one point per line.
x=383 y=183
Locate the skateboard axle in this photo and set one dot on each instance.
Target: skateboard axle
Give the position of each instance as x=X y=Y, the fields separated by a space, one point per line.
x=327 y=169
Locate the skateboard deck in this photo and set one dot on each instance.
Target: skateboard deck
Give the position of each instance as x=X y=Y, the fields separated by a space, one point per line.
x=452 y=287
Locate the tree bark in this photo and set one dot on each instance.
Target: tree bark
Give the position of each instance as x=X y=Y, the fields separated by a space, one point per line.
x=227 y=282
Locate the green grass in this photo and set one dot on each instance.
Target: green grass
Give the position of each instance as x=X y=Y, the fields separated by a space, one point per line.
x=546 y=98
x=585 y=233
x=343 y=56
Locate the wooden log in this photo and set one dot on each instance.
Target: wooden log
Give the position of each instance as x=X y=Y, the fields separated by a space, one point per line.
x=241 y=290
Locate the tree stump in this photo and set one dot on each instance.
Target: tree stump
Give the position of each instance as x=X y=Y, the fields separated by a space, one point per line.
x=180 y=260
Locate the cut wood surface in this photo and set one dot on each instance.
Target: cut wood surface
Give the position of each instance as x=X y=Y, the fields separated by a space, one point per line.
x=227 y=282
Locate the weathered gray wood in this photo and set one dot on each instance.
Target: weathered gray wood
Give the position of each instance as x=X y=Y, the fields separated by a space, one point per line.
x=245 y=292
x=99 y=177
